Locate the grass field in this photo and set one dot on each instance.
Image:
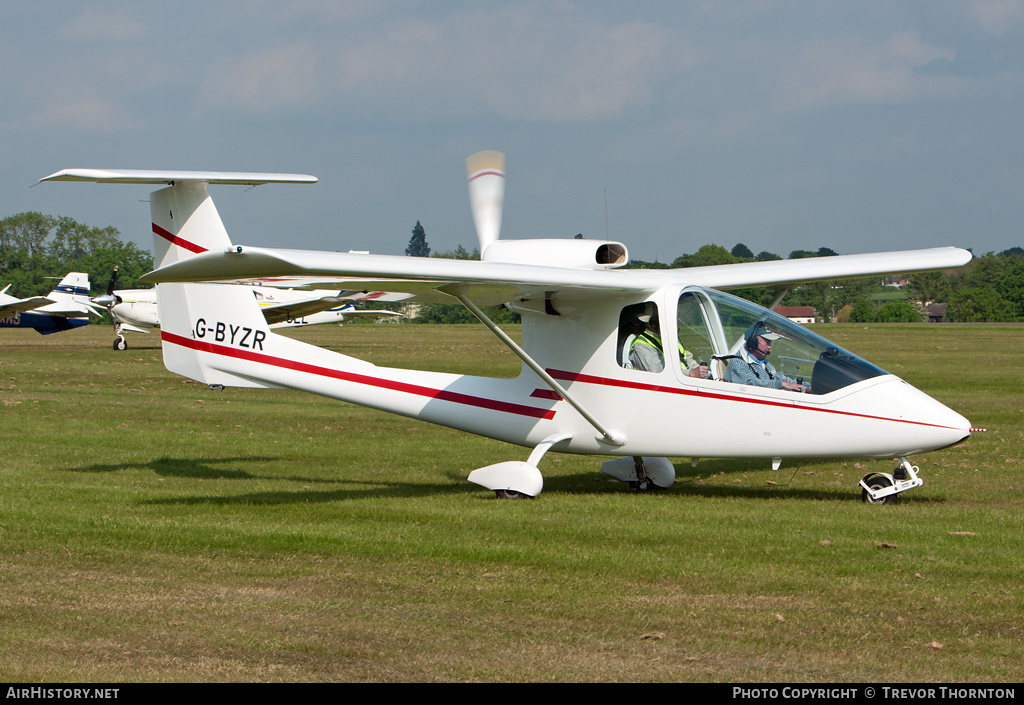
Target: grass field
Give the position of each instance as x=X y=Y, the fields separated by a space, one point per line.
x=154 y=530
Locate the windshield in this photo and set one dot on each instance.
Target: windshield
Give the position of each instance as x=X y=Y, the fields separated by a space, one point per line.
x=748 y=344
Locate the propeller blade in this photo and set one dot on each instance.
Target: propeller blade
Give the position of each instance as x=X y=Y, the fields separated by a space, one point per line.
x=486 y=174
x=112 y=283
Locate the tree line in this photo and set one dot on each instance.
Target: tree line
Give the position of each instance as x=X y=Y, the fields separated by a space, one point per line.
x=37 y=249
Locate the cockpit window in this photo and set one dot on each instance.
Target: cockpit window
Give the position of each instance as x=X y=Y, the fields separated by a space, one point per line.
x=640 y=346
x=798 y=359
x=696 y=347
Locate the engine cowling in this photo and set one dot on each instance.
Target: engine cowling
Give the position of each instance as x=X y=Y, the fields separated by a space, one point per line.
x=574 y=254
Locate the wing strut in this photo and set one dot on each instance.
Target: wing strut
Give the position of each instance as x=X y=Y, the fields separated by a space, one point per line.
x=611 y=436
x=780 y=294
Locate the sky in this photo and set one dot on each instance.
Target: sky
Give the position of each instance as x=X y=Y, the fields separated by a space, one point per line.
x=860 y=126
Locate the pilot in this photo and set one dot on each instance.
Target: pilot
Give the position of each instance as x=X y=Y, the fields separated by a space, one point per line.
x=646 y=351
x=751 y=367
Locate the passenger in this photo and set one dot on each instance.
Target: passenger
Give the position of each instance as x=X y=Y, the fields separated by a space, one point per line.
x=646 y=351
x=751 y=367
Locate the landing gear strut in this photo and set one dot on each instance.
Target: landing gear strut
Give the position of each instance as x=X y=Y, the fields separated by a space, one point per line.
x=643 y=483
x=882 y=488
x=642 y=474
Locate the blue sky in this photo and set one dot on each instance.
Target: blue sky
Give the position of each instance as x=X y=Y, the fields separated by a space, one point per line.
x=859 y=126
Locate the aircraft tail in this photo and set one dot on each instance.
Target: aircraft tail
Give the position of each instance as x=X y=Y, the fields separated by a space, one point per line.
x=205 y=328
x=71 y=297
x=198 y=319
x=185 y=223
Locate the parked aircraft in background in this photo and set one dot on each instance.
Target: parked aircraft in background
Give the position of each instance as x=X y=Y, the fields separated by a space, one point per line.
x=67 y=306
x=136 y=309
x=578 y=391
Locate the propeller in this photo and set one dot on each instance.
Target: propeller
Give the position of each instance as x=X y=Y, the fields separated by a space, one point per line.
x=485 y=172
x=110 y=299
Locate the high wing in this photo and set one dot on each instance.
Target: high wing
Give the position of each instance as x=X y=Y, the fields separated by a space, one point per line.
x=496 y=282
x=491 y=282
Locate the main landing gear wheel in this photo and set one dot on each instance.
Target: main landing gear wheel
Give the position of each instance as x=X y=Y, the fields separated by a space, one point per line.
x=879 y=482
x=120 y=343
x=645 y=486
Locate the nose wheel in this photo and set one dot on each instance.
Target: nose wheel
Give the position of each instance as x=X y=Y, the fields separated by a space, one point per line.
x=875 y=485
x=882 y=488
x=120 y=343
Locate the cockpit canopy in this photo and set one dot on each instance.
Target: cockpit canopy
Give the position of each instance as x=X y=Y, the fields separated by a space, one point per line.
x=713 y=329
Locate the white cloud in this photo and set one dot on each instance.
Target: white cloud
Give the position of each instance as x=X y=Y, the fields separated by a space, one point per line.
x=519 y=63
x=998 y=16
x=822 y=74
x=94 y=24
x=84 y=114
x=278 y=78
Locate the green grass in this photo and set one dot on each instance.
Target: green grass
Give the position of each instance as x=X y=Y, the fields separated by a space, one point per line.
x=154 y=530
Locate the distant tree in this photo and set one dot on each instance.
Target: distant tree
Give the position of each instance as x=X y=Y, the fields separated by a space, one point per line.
x=37 y=248
x=928 y=286
x=456 y=313
x=863 y=312
x=444 y=313
x=641 y=264
x=707 y=255
x=1011 y=288
x=459 y=252
x=1012 y=252
x=973 y=304
x=984 y=271
x=802 y=254
x=898 y=312
x=826 y=252
x=765 y=256
x=760 y=295
x=418 y=246
x=741 y=251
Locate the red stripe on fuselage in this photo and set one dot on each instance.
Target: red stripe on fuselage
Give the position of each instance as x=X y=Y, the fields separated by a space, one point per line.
x=440 y=394
x=175 y=240
x=704 y=394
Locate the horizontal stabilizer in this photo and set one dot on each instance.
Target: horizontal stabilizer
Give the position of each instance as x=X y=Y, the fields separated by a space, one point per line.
x=163 y=177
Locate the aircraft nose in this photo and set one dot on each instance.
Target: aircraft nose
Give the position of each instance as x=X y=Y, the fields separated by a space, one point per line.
x=918 y=423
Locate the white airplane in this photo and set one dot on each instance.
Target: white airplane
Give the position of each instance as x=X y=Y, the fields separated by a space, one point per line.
x=67 y=306
x=578 y=391
x=135 y=310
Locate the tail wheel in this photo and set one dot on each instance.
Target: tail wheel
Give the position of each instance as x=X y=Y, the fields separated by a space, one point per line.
x=511 y=494
x=879 y=482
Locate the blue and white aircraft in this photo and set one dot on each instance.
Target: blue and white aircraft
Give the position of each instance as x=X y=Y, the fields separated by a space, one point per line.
x=67 y=306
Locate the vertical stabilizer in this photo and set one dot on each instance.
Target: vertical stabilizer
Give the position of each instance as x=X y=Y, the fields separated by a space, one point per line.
x=185 y=223
x=72 y=291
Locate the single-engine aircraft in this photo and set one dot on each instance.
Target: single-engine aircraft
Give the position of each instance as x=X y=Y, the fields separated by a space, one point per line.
x=136 y=309
x=66 y=307
x=578 y=390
